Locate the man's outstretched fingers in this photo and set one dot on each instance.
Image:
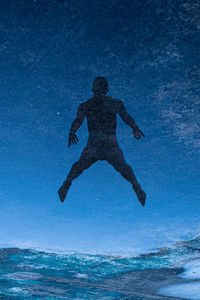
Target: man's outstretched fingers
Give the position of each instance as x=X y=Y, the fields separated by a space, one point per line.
x=75 y=140
x=72 y=139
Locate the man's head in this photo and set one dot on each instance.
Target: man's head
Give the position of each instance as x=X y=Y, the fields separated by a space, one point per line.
x=100 y=86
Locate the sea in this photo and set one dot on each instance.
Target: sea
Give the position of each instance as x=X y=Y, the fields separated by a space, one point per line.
x=168 y=273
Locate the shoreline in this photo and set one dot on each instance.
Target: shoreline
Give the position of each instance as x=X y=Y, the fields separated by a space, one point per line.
x=147 y=283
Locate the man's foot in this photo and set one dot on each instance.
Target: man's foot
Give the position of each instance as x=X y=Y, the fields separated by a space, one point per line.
x=141 y=195
x=62 y=192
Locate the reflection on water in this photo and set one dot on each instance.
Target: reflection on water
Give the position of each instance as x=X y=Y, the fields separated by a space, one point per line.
x=35 y=274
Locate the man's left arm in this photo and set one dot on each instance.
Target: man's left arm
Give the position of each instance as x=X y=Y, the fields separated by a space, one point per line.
x=129 y=121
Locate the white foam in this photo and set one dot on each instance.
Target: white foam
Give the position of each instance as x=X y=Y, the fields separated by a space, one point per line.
x=39 y=266
x=18 y=290
x=23 y=276
x=79 y=275
x=190 y=290
x=192 y=270
x=185 y=290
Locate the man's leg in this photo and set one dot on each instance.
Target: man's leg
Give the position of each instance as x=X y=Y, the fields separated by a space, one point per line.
x=87 y=158
x=117 y=160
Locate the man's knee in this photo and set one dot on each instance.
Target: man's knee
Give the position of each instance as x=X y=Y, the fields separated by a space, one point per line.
x=80 y=165
x=118 y=166
x=123 y=168
x=128 y=167
x=77 y=165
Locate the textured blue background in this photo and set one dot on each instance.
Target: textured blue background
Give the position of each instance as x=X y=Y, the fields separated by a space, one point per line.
x=50 y=52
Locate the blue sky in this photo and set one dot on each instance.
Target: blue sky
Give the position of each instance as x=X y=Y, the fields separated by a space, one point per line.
x=50 y=53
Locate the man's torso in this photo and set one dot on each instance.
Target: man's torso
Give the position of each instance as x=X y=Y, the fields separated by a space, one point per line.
x=101 y=117
x=102 y=121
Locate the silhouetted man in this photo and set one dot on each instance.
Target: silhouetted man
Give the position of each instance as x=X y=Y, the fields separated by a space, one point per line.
x=101 y=112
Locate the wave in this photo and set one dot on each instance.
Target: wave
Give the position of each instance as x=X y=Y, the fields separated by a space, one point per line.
x=36 y=273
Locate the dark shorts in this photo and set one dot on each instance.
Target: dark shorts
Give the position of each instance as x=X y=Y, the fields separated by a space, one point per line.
x=102 y=150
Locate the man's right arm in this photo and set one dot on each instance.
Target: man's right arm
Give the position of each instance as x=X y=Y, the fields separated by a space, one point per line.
x=75 y=125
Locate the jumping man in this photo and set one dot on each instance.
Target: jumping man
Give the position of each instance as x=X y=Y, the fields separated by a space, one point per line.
x=101 y=112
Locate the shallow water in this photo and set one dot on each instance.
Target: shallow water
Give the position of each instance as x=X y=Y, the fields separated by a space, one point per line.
x=34 y=274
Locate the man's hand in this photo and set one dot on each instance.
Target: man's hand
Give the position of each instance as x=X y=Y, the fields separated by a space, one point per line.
x=138 y=133
x=72 y=139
